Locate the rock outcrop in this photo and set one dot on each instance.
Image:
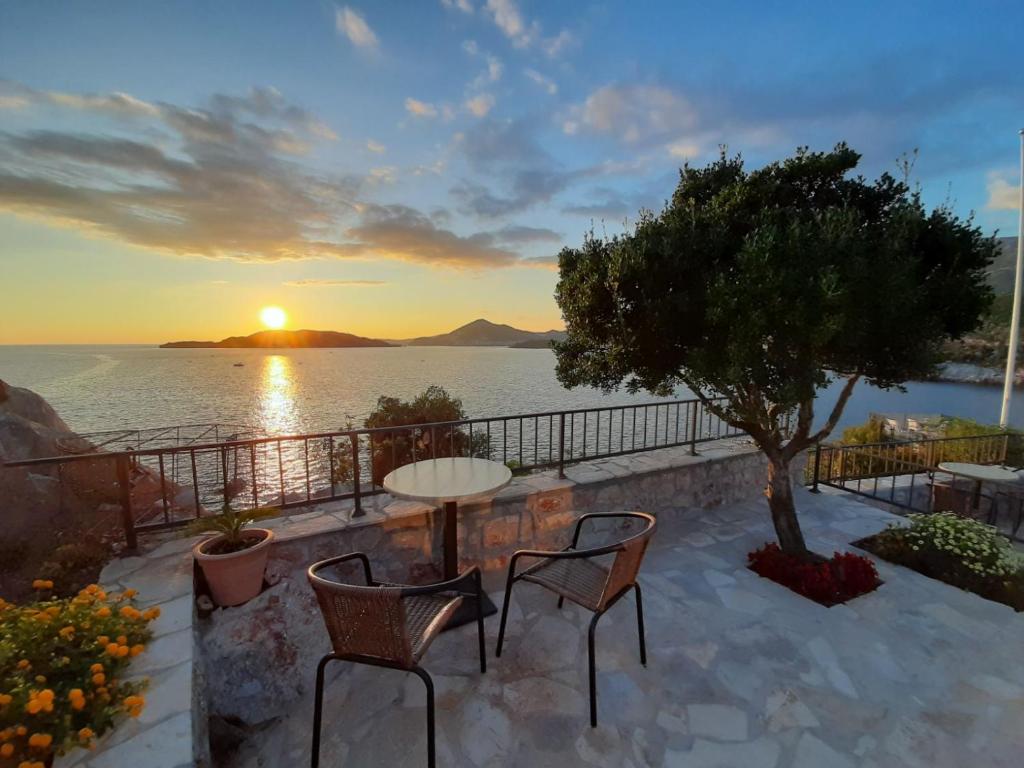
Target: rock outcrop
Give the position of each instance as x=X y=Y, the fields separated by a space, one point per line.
x=30 y=428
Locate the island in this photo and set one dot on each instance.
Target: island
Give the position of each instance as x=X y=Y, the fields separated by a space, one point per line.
x=282 y=340
x=484 y=333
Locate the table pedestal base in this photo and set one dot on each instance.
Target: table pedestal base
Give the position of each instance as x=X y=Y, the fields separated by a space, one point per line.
x=466 y=613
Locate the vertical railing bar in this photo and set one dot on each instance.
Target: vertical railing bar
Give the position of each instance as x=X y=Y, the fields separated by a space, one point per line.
x=224 y=474
x=520 y=441
x=357 y=510
x=195 y=480
x=305 y=447
x=252 y=469
x=280 y=470
x=163 y=488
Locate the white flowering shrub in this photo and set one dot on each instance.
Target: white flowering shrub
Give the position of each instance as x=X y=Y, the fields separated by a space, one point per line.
x=958 y=546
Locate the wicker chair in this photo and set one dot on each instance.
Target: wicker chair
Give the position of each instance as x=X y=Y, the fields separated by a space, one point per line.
x=573 y=574
x=387 y=625
x=961 y=501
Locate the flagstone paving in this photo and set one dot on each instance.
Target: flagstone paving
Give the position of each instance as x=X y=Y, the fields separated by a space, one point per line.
x=741 y=672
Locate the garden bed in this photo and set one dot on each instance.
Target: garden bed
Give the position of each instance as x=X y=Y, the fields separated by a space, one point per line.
x=958 y=551
x=826 y=581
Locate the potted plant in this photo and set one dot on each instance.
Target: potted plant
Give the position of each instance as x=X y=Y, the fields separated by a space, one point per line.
x=233 y=561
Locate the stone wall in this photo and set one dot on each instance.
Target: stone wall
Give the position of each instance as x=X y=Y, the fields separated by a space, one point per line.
x=260 y=659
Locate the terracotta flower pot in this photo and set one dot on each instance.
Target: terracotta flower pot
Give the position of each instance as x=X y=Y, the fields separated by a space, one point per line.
x=235 y=577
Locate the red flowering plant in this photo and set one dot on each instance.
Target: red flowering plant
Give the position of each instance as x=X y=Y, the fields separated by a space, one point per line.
x=828 y=582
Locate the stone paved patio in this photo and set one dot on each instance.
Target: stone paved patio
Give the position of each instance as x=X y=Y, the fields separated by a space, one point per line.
x=741 y=672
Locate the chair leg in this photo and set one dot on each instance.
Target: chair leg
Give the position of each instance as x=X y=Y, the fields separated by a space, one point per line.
x=318 y=708
x=422 y=673
x=504 y=614
x=593 y=672
x=480 y=623
x=640 y=623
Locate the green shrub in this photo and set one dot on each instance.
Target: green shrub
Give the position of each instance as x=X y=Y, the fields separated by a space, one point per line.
x=960 y=551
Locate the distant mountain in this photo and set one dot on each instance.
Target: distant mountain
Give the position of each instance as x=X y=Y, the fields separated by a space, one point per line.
x=283 y=340
x=1002 y=270
x=483 y=333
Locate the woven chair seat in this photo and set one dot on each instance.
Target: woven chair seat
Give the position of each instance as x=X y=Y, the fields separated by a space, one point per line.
x=425 y=617
x=577 y=579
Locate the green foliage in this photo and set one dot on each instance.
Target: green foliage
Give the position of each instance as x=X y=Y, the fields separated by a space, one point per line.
x=762 y=285
x=960 y=551
x=399 y=447
x=231 y=524
x=871 y=431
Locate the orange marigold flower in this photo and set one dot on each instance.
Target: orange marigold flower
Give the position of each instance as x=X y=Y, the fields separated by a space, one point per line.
x=102 y=639
x=41 y=584
x=123 y=650
x=41 y=679
x=137 y=649
x=103 y=612
x=24 y=664
x=5 y=699
x=7 y=750
x=96 y=668
x=21 y=730
x=53 y=610
x=67 y=631
x=85 y=734
x=112 y=649
x=129 y=593
x=34 y=707
x=122 y=640
x=46 y=695
x=40 y=740
x=99 y=678
x=151 y=613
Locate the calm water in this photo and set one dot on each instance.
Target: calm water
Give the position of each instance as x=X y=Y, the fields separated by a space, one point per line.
x=292 y=391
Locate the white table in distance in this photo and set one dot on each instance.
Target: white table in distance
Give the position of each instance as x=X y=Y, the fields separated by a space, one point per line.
x=979 y=473
x=445 y=482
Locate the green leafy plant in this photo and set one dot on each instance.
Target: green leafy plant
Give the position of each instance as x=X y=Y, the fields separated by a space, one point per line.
x=960 y=551
x=763 y=287
x=62 y=662
x=231 y=524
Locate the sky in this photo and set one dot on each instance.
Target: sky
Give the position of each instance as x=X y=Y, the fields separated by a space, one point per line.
x=395 y=169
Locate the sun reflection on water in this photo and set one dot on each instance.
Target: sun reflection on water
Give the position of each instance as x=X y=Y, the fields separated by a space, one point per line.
x=277 y=396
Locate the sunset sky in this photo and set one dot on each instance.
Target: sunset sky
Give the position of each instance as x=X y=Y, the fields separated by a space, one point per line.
x=394 y=169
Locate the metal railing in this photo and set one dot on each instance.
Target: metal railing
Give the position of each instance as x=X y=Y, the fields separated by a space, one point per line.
x=902 y=473
x=155 y=487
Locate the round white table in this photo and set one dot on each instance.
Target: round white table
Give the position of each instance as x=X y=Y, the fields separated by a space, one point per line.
x=979 y=473
x=446 y=482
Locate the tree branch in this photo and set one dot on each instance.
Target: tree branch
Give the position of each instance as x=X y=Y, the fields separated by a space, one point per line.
x=795 y=445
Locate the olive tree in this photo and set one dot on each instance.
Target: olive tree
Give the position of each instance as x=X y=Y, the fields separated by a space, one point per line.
x=757 y=289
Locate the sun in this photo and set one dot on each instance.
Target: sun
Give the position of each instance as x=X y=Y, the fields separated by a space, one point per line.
x=273 y=317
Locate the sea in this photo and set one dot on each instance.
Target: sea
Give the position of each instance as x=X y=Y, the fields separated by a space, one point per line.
x=98 y=388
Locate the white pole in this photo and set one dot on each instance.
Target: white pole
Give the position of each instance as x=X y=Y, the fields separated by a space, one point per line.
x=1011 y=354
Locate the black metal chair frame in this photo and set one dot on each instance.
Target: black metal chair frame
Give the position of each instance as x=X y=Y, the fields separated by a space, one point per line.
x=456 y=585
x=570 y=552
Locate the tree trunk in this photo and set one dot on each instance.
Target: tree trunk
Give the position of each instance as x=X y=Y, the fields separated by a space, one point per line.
x=780 y=502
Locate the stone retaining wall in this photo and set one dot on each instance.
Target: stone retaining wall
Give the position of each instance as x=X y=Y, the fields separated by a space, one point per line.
x=260 y=658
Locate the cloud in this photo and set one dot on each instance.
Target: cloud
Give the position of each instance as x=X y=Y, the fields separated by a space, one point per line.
x=313 y=282
x=683 y=149
x=403 y=233
x=546 y=83
x=376 y=147
x=509 y=20
x=492 y=144
x=418 y=108
x=462 y=5
x=355 y=28
x=555 y=46
x=522 y=235
x=633 y=113
x=221 y=181
x=480 y=105
x=1002 y=195
x=384 y=174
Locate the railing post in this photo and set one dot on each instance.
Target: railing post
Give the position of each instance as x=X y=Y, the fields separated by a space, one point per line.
x=693 y=428
x=358 y=510
x=125 y=494
x=561 y=445
x=1006 y=445
x=817 y=468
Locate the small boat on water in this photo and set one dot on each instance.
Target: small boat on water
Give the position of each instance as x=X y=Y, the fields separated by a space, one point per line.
x=239 y=365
